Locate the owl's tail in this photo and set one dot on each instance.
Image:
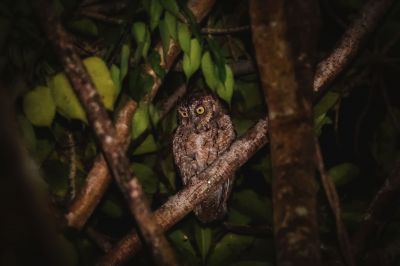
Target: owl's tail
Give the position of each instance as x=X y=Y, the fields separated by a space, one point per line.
x=215 y=207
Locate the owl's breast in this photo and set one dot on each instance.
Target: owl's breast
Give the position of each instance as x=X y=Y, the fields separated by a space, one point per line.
x=202 y=147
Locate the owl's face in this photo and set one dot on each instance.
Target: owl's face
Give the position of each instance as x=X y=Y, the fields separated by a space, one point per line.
x=197 y=111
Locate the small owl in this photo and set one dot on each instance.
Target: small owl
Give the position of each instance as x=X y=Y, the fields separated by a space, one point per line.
x=204 y=132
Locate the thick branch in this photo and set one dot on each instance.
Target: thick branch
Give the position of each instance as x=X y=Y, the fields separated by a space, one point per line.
x=351 y=42
x=99 y=178
x=185 y=200
x=284 y=37
x=100 y=122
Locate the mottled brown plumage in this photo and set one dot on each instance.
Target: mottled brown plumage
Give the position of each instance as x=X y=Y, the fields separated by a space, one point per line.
x=204 y=132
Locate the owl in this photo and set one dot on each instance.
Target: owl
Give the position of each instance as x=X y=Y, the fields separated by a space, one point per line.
x=204 y=131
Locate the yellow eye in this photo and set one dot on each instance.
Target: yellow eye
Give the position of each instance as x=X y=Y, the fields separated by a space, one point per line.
x=183 y=113
x=200 y=110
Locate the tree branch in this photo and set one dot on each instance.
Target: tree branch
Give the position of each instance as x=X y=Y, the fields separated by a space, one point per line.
x=100 y=122
x=99 y=178
x=285 y=38
x=185 y=200
x=350 y=43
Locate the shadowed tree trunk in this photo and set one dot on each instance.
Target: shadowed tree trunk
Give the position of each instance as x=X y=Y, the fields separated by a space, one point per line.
x=284 y=37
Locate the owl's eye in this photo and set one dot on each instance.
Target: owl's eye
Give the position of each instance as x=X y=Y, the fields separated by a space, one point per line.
x=200 y=110
x=183 y=113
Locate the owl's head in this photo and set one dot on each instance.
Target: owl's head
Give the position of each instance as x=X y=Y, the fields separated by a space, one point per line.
x=198 y=110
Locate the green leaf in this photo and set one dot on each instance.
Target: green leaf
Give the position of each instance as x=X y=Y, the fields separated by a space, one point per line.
x=171 y=6
x=203 y=237
x=147 y=146
x=39 y=106
x=184 y=39
x=187 y=68
x=101 y=77
x=229 y=248
x=125 y=52
x=155 y=13
x=170 y=21
x=146 y=46
x=66 y=101
x=209 y=73
x=116 y=77
x=195 y=54
x=140 y=120
x=164 y=33
x=147 y=177
x=225 y=89
x=253 y=205
x=325 y=104
x=84 y=26
x=236 y=217
x=343 y=173
x=181 y=243
x=139 y=31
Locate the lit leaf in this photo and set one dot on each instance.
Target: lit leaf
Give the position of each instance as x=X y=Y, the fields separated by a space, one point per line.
x=125 y=52
x=140 y=120
x=39 y=106
x=171 y=23
x=209 y=73
x=164 y=33
x=184 y=37
x=66 y=101
x=203 y=237
x=155 y=13
x=101 y=77
x=139 y=31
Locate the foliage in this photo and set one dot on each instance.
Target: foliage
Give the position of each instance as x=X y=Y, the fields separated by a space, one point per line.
x=359 y=134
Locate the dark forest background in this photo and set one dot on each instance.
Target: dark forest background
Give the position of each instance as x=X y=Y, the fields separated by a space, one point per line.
x=49 y=147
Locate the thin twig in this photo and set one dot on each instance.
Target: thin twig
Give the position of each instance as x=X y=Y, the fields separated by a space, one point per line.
x=334 y=202
x=72 y=165
x=222 y=31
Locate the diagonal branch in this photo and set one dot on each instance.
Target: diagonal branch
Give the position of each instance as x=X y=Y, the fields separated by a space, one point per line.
x=185 y=200
x=350 y=43
x=99 y=178
x=100 y=122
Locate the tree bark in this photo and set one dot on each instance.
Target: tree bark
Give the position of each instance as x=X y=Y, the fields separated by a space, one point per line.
x=284 y=37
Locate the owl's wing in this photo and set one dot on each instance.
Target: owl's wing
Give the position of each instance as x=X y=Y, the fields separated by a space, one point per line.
x=226 y=133
x=184 y=162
